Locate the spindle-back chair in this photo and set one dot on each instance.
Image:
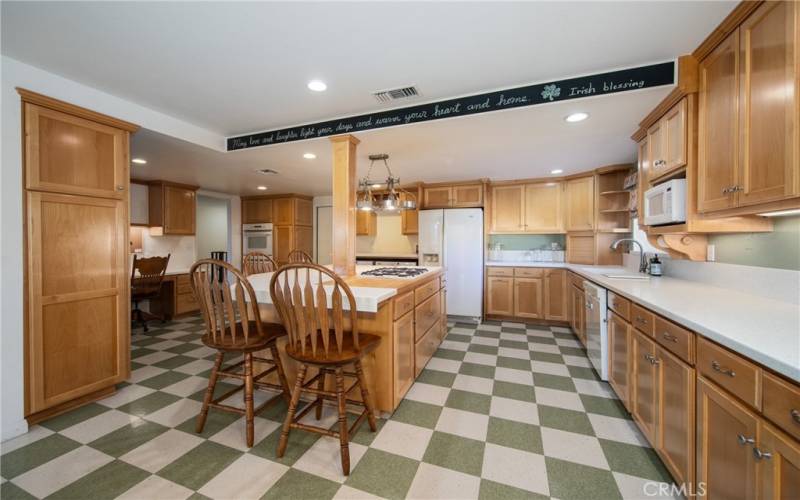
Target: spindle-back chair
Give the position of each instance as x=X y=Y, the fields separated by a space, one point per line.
x=147 y=275
x=257 y=263
x=297 y=256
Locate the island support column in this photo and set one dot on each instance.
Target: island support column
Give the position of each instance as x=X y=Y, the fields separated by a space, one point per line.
x=345 y=186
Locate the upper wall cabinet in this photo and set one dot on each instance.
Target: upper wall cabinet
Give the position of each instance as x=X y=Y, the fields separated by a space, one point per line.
x=72 y=155
x=527 y=208
x=292 y=210
x=256 y=210
x=749 y=139
x=508 y=206
x=666 y=142
x=173 y=207
x=579 y=204
x=455 y=196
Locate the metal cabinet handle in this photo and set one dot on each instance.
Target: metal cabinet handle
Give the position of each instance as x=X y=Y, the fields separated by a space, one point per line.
x=723 y=370
x=120 y=188
x=795 y=415
x=641 y=320
x=671 y=338
x=761 y=454
x=745 y=440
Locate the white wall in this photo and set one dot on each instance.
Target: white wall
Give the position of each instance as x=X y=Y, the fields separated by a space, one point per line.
x=213 y=232
x=16 y=74
x=181 y=250
x=235 y=204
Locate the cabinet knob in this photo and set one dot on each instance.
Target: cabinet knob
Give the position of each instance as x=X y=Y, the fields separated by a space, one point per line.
x=795 y=415
x=761 y=454
x=745 y=440
x=120 y=188
x=671 y=338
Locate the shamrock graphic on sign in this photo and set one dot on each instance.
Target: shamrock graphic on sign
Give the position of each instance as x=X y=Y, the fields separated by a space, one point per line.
x=550 y=92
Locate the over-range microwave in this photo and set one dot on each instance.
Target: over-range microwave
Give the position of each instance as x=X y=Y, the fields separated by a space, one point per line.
x=665 y=203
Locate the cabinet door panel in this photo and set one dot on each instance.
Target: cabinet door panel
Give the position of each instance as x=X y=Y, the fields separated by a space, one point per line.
x=439 y=197
x=282 y=243
x=283 y=211
x=468 y=196
x=179 y=210
x=67 y=154
x=365 y=223
x=718 y=141
x=725 y=461
x=580 y=204
x=528 y=298
x=619 y=341
x=645 y=385
x=555 y=294
x=655 y=151
x=767 y=111
x=303 y=239
x=675 y=138
x=507 y=209
x=256 y=211
x=409 y=218
x=675 y=442
x=501 y=296
x=303 y=212
x=779 y=476
x=543 y=208
x=404 y=355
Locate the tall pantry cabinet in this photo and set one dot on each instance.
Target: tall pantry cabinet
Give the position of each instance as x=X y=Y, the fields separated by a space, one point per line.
x=77 y=298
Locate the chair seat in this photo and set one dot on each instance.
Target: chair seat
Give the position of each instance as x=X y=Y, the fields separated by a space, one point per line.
x=366 y=341
x=271 y=332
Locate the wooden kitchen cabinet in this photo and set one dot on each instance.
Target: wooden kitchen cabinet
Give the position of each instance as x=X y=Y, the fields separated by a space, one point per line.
x=543 y=208
x=500 y=295
x=366 y=223
x=404 y=373
x=619 y=354
x=140 y=199
x=172 y=207
x=779 y=464
x=282 y=243
x=726 y=433
x=675 y=427
x=409 y=219
x=555 y=294
x=666 y=142
x=528 y=300
x=508 y=206
x=644 y=398
x=578 y=314
x=437 y=197
x=579 y=204
x=256 y=210
x=454 y=196
x=292 y=210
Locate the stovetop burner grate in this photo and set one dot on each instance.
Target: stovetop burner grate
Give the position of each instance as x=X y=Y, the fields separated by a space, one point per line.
x=395 y=272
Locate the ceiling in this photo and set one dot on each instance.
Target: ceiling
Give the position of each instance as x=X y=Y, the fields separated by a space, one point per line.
x=519 y=143
x=237 y=67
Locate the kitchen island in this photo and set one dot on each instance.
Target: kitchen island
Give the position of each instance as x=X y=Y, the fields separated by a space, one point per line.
x=409 y=316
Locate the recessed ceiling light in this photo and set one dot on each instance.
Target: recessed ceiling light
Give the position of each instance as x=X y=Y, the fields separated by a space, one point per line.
x=262 y=188
x=309 y=156
x=317 y=85
x=577 y=117
x=140 y=161
x=556 y=171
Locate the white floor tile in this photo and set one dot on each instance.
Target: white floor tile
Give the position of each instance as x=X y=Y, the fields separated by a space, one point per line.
x=568 y=343
x=511 y=324
x=511 y=409
x=617 y=429
x=514 y=337
x=195 y=367
x=443 y=365
x=162 y=450
x=248 y=477
x=639 y=488
x=594 y=388
x=559 y=399
x=98 y=426
x=144 y=373
x=454 y=346
x=59 y=472
x=187 y=386
x=432 y=481
x=486 y=341
x=573 y=447
x=127 y=394
x=235 y=435
x=163 y=346
x=561 y=329
x=427 y=393
x=508 y=352
x=403 y=439
x=173 y=334
x=324 y=459
x=489 y=328
x=155 y=357
x=514 y=376
x=348 y=493
x=549 y=349
x=577 y=361
x=539 y=333
x=156 y=487
x=176 y=413
x=480 y=358
x=461 y=330
x=473 y=384
x=549 y=368
x=517 y=468
x=330 y=415
x=200 y=352
x=463 y=423
x=34 y=434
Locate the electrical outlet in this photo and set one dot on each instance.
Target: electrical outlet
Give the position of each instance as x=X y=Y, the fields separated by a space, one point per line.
x=710 y=253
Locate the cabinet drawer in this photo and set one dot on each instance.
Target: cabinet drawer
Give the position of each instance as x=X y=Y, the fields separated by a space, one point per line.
x=403 y=304
x=782 y=404
x=642 y=319
x=729 y=371
x=424 y=291
x=424 y=349
x=528 y=272
x=619 y=305
x=185 y=302
x=183 y=279
x=676 y=339
x=576 y=280
x=427 y=314
x=184 y=288
x=501 y=271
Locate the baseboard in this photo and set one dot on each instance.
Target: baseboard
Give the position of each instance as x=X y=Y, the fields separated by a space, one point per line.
x=54 y=411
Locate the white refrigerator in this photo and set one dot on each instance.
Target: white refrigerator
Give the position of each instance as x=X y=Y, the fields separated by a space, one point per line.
x=453 y=239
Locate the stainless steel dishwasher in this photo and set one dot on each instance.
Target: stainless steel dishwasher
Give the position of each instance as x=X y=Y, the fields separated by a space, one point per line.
x=596 y=327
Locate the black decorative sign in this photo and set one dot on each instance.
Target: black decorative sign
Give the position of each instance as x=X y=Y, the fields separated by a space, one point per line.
x=571 y=88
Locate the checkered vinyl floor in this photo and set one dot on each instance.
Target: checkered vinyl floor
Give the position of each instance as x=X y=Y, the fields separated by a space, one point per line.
x=502 y=411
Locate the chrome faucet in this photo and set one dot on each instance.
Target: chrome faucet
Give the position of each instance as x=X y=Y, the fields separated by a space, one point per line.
x=642 y=260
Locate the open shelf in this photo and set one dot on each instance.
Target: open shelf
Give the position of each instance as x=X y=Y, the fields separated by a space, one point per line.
x=613 y=203
x=622 y=191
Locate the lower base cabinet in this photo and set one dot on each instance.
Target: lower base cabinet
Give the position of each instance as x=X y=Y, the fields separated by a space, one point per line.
x=404 y=357
x=528 y=301
x=577 y=317
x=645 y=385
x=500 y=296
x=619 y=350
x=779 y=476
x=527 y=293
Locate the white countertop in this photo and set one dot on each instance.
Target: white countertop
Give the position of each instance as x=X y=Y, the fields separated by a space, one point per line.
x=762 y=329
x=386 y=255
x=524 y=263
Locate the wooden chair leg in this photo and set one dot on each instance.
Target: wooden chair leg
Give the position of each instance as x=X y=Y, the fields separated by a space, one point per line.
x=362 y=382
x=298 y=388
x=287 y=392
x=248 y=397
x=212 y=382
x=344 y=440
x=320 y=387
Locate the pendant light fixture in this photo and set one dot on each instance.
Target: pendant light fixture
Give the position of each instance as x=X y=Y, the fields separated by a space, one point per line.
x=388 y=199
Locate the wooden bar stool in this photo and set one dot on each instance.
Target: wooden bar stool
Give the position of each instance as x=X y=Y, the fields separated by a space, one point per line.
x=234 y=326
x=319 y=336
x=257 y=263
x=298 y=256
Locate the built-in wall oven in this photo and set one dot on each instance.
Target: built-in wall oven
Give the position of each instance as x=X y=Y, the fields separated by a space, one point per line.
x=257 y=238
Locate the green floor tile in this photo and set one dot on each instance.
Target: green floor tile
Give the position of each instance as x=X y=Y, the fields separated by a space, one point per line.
x=517 y=364
x=514 y=344
x=219 y=389
x=215 y=422
x=565 y=336
x=163 y=380
x=512 y=329
x=148 y=404
x=9 y=491
x=457 y=337
x=455 y=452
x=300 y=485
x=604 y=406
x=572 y=351
x=541 y=340
x=136 y=366
x=442 y=379
x=476 y=370
x=565 y=420
x=28 y=457
x=73 y=417
x=299 y=443
x=182 y=348
x=548 y=357
x=384 y=474
x=487 y=333
x=511 y=390
x=572 y=481
x=144 y=351
x=200 y=465
x=553 y=382
x=125 y=439
x=174 y=362
x=497 y=491
x=634 y=460
x=469 y=401
x=526 y=437
x=416 y=413
x=189 y=337
x=449 y=354
x=197 y=496
x=582 y=372
x=276 y=412
x=364 y=435
x=147 y=342
x=483 y=349
x=109 y=481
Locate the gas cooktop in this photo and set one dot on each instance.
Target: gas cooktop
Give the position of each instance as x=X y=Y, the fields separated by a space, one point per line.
x=395 y=272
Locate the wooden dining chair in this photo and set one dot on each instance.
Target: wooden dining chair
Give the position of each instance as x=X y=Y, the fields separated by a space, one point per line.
x=320 y=336
x=234 y=326
x=147 y=275
x=257 y=263
x=300 y=256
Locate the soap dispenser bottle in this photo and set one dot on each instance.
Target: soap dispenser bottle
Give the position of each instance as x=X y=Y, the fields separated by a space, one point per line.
x=655 y=266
